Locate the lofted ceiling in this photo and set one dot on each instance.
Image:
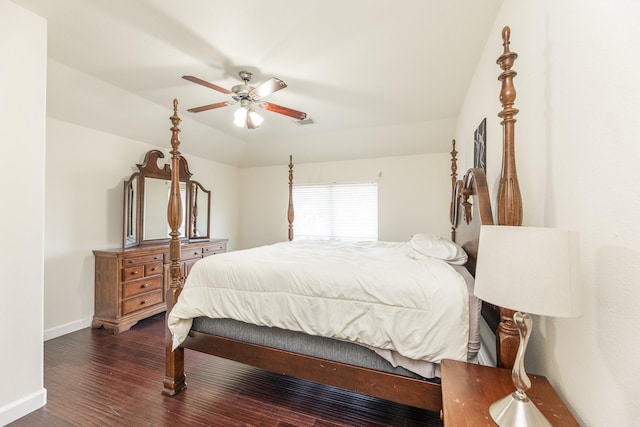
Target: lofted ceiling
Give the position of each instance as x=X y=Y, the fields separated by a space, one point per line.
x=377 y=77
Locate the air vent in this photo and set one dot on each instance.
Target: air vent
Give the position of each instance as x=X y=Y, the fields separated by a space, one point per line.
x=307 y=121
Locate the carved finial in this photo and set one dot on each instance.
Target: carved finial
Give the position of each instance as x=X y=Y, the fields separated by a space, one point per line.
x=175 y=130
x=506 y=60
x=506 y=35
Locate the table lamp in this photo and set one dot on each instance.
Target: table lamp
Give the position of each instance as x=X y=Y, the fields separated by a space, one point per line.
x=532 y=271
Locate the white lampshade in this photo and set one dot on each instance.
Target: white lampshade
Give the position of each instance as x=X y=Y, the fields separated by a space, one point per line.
x=240 y=117
x=255 y=118
x=529 y=269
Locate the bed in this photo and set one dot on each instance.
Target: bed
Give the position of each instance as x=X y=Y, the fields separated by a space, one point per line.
x=383 y=344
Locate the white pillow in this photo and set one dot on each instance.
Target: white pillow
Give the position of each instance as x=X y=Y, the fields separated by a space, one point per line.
x=431 y=246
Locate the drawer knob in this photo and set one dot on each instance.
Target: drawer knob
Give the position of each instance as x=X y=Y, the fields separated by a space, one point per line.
x=134 y=272
x=144 y=302
x=145 y=285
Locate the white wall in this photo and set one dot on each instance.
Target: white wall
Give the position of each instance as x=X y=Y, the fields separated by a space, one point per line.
x=577 y=147
x=23 y=49
x=85 y=171
x=577 y=150
x=413 y=195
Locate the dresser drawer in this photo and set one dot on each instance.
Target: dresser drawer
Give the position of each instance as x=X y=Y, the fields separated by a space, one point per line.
x=137 y=260
x=139 y=286
x=153 y=269
x=132 y=273
x=191 y=253
x=143 y=301
x=212 y=250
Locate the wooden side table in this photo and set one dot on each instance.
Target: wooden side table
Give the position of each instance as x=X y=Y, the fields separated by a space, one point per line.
x=469 y=389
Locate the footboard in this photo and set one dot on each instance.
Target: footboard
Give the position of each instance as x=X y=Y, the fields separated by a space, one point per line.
x=396 y=388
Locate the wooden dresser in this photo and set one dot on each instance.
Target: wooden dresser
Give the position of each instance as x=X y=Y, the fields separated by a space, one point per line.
x=130 y=284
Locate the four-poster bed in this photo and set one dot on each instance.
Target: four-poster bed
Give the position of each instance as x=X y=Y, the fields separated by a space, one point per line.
x=298 y=354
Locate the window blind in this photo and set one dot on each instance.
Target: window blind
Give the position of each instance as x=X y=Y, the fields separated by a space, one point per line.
x=341 y=211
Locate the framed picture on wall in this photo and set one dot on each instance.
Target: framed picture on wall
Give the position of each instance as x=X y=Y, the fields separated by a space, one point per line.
x=479 y=146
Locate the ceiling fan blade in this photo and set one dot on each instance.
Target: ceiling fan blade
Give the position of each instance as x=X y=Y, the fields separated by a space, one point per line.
x=283 y=110
x=267 y=88
x=207 y=84
x=211 y=106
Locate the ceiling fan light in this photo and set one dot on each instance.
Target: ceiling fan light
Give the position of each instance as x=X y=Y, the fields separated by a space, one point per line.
x=240 y=117
x=255 y=118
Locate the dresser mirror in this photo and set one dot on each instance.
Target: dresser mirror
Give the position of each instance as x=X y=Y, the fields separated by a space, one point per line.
x=130 y=212
x=200 y=210
x=146 y=196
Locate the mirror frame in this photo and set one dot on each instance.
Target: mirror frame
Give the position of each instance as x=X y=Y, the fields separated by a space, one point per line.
x=133 y=233
x=130 y=234
x=196 y=208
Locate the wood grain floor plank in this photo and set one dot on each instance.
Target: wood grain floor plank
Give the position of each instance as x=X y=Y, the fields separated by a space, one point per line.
x=94 y=378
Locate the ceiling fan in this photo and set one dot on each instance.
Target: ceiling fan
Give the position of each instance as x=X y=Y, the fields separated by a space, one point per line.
x=248 y=97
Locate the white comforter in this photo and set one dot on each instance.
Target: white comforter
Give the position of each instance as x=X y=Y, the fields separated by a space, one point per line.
x=370 y=293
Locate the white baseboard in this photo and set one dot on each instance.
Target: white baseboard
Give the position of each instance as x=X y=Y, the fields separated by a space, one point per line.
x=19 y=408
x=487 y=354
x=67 y=328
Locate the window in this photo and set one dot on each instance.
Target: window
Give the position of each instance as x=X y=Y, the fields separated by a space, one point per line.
x=336 y=211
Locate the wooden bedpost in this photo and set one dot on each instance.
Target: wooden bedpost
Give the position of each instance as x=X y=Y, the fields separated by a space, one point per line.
x=174 y=380
x=509 y=199
x=453 y=209
x=290 y=213
x=509 y=209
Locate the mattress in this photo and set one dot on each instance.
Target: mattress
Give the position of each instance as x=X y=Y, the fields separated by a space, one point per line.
x=379 y=295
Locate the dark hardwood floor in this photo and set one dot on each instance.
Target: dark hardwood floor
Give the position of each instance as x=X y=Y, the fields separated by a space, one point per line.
x=94 y=378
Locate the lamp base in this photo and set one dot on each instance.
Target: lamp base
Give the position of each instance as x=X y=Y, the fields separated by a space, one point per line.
x=517 y=409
